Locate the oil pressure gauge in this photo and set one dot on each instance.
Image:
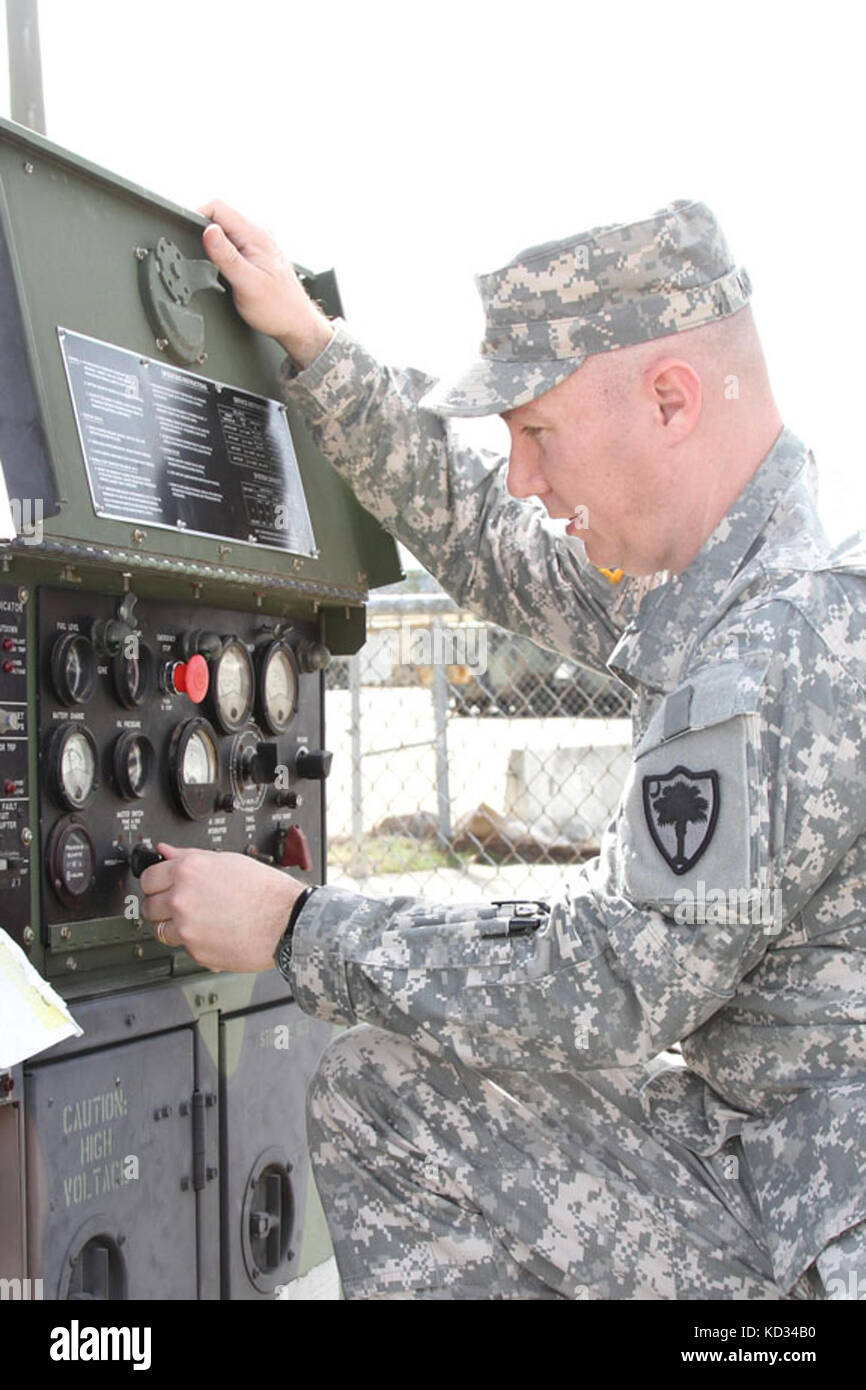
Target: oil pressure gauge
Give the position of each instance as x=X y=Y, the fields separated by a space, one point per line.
x=232 y=686
x=277 y=686
x=194 y=768
x=72 y=761
x=133 y=760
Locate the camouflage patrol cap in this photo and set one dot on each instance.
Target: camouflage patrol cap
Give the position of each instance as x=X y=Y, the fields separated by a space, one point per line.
x=557 y=304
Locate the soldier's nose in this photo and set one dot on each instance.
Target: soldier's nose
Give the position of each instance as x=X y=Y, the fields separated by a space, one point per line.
x=524 y=481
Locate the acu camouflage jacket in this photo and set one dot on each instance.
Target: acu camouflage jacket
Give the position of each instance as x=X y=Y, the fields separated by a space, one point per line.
x=727 y=908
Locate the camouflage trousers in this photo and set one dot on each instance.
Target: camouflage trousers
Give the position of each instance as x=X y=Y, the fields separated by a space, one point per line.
x=439 y=1182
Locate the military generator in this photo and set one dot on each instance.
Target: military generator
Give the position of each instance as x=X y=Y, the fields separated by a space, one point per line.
x=180 y=564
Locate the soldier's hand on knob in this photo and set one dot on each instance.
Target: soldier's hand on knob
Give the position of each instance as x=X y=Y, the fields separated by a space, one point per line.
x=226 y=910
x=267 y=292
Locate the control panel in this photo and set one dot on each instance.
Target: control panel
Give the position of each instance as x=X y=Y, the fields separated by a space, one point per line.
x=15 y=831
x=164 y=721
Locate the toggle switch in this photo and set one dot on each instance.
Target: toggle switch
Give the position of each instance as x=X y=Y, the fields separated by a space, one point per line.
x=315 y=766
x=142 y=858
x=292 y=850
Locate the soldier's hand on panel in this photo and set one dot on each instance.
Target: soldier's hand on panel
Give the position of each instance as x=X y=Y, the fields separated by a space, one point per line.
x=226 y=910
x=267 y=293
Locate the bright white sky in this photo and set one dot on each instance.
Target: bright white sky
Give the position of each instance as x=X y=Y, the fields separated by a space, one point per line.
x=412 y=146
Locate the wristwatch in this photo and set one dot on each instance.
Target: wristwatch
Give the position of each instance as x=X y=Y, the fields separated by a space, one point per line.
x=283 y=953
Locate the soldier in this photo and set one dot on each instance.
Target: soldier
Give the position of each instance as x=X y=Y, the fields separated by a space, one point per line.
x=503 y=1119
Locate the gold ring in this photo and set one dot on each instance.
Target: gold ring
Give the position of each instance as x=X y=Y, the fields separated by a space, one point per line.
x=159 y=930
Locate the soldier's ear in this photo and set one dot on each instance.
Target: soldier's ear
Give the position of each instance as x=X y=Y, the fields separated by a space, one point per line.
x=674 y=391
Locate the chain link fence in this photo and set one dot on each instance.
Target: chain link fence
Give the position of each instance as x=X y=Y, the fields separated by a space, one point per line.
x=469 y=762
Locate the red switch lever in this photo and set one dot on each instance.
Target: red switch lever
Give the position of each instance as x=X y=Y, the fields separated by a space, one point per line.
x=293 y=852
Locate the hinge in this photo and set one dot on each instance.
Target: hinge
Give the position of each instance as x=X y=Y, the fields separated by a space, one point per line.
x=198 y=1140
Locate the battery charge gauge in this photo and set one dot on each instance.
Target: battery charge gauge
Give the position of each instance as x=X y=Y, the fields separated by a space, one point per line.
x=72 y=766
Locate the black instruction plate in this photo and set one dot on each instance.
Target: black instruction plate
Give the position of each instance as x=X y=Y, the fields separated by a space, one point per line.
x=165 y=447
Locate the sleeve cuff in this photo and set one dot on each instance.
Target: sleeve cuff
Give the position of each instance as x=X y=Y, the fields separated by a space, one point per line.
x=318 y=970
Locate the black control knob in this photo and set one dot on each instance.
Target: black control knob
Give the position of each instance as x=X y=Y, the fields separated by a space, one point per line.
x=262 y=766
x=315 y=766
x=290 y=799
x=312 y=656
x=142 y=858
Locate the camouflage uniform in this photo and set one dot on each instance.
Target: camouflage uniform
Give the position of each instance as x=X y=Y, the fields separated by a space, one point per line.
x=506 y=1122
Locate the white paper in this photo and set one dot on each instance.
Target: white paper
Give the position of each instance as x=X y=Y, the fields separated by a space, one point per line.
x=32 y=1014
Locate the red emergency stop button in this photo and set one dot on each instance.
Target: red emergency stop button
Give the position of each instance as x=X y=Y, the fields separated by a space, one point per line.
x=8 y=643
x=9 y=787
x=191 y=678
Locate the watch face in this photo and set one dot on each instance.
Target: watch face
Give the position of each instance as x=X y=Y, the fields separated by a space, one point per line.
x=283 y=955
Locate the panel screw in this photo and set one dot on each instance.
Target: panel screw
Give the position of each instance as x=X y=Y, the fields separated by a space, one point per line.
x=162 y=344
x=29 y=168
x=28 y=936
x=199 y=1000
x=141 y=253
x=202 y=358
x=23 y=595
x=71 y=963
x=26 y=835
x=212 y=998
x=138 y=950
x=65 y=933
x=129 y=1020
x=211 y=1174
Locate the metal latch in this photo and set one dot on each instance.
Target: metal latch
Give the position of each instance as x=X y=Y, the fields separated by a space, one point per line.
x=167 y=282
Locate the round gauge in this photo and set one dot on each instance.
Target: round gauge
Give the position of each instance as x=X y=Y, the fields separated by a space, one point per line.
x=133 y=760
x=70 y=860
x=194 y=768
x=232 y=685
x=278 y=686
x=73 y=668
x=134 y=677
x=72 y=758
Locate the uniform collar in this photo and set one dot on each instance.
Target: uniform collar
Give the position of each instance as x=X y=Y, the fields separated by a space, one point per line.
x=652 y=648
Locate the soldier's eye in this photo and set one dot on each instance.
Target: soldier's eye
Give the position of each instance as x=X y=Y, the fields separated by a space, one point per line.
x=532 y=430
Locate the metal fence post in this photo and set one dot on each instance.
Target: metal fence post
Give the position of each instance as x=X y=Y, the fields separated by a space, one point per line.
x=357 y=866
x=440 y=710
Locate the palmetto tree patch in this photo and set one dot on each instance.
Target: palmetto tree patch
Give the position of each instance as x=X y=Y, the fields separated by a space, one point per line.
x=681 y=809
